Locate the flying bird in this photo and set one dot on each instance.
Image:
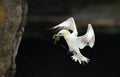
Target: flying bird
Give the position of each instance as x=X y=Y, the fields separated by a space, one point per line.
x=75 y=42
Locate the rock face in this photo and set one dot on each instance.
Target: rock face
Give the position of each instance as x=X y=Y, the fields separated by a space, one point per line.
x=1 y=12
x=12 y=21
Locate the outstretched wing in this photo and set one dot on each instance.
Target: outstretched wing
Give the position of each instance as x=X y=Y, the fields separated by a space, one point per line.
x=68 y=24
x=88 y=39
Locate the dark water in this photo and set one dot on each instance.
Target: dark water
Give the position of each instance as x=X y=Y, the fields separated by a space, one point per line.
x=38 y=58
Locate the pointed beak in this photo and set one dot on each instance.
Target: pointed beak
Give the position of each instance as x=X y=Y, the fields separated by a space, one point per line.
x=59 y=34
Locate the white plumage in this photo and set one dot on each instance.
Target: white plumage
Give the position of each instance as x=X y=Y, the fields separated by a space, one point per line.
x=75 y=42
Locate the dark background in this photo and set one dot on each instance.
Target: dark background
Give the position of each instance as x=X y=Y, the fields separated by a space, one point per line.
x=38 y=57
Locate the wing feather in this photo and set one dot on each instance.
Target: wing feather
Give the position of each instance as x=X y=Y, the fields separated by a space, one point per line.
x=68 y=24
x=88 y=39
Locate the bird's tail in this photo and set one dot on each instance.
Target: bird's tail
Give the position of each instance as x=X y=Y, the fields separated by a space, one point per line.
x=80 y=58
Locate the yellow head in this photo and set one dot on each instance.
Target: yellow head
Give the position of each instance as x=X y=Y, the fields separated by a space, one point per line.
x=63 y=32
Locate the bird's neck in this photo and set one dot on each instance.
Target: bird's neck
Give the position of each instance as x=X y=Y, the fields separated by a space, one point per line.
x=67 y=37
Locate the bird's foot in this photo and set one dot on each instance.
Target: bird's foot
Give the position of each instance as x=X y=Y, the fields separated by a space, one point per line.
x=80 y=59
x=74 y=58
x=84 y=60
